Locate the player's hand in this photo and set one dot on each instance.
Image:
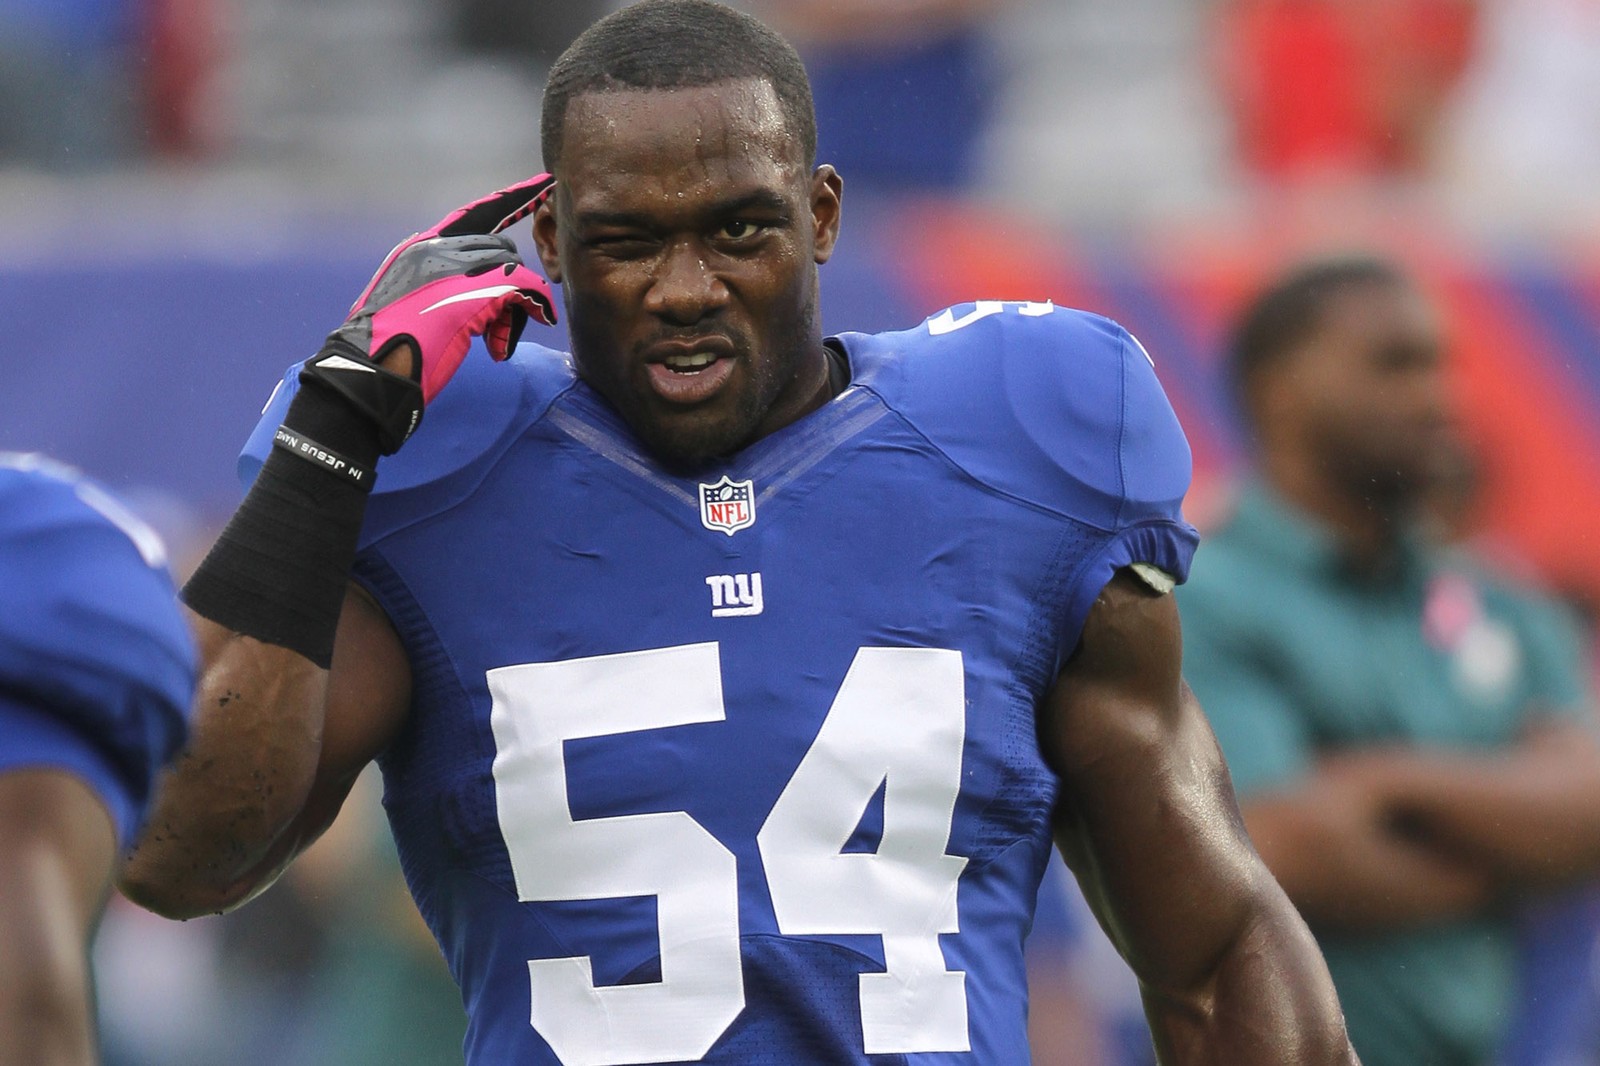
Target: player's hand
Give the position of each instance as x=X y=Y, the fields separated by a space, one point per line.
x=453 y=281
x=439 y=288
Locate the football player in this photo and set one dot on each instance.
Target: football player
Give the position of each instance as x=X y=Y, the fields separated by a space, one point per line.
x=730 y=683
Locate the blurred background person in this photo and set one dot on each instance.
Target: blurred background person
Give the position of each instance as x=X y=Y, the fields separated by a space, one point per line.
x=378 y=991
x=1410 y=735
x=97 y=669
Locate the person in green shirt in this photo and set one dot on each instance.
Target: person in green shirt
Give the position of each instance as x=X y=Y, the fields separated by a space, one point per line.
x=1408 y=734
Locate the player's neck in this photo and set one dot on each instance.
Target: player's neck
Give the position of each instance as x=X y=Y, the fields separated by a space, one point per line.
x=813 y=385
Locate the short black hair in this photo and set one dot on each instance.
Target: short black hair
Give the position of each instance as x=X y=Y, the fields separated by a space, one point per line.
x=1289 y=312
x=676 y=44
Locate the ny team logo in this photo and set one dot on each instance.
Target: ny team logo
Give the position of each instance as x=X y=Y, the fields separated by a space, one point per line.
x=735 y=595
x=728 y=506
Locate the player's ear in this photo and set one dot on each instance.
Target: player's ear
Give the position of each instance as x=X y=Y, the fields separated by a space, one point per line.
x=544 y=237
x=827 y=189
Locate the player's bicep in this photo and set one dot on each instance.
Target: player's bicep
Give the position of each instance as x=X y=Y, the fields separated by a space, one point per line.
x=368 y=697
x=369 y=685
x=1147 y=816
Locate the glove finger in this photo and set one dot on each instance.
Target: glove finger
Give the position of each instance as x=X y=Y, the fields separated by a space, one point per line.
x=535 y=291
x=502 y=259
x=540 y=305
x=498 y=210
x=505 y=318
x=496 y=320
x=504 y=332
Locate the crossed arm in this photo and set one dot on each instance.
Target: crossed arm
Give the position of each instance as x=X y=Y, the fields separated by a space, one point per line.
x=1528 y=817
x=1229 y=971
x=1392 y=837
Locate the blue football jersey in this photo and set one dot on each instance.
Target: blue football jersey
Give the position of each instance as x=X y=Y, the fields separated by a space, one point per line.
x=97 y=667
x=742 y=767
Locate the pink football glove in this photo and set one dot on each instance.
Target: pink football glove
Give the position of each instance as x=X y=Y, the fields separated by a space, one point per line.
x=437 y=290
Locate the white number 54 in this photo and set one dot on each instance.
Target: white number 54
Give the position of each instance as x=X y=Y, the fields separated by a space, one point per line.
x=898 y=722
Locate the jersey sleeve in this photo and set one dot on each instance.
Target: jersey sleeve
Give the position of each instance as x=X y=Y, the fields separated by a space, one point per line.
x=1123 y=434
x=97 y=666
x=467 y=425
x=1061 y=409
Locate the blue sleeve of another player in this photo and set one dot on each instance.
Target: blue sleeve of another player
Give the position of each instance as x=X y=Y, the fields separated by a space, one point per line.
x=40 y=739
x=97 y=666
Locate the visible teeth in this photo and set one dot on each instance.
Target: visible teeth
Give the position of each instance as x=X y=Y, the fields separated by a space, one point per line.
x=697 y=361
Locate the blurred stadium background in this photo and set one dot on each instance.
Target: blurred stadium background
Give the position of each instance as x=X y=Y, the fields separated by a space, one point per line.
x=192 y=190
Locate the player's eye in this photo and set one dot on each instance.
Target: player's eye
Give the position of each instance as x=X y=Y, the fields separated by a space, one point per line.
x=622 y=245
x=738 y=230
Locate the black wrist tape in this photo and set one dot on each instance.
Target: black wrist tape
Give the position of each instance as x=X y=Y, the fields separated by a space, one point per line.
x=278 y=571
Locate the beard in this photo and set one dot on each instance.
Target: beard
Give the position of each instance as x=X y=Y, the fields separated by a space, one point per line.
x=687 y=442
x=684 y=440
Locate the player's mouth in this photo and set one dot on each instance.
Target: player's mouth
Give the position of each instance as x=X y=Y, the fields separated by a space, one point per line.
x=689 y=372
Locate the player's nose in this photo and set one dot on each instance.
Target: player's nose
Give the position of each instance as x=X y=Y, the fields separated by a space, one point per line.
x=685 y=289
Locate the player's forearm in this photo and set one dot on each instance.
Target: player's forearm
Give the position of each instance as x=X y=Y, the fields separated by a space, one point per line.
x=1149 y=823
x=1267 y=1000
x=216 y=827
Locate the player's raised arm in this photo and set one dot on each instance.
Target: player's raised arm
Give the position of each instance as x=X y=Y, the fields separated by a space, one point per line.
x=1147 y=820
x=303 y=679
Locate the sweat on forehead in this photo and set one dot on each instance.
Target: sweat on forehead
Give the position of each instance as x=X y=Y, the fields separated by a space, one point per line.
x=651 y=130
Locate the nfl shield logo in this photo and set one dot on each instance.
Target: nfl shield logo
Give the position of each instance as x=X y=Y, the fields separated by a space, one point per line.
x=728 y=505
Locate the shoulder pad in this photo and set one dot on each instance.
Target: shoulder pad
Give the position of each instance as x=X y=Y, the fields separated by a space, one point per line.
x=1061 y=408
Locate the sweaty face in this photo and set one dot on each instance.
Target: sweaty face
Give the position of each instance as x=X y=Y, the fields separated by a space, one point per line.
x=686 y=233
x=1370 y=388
